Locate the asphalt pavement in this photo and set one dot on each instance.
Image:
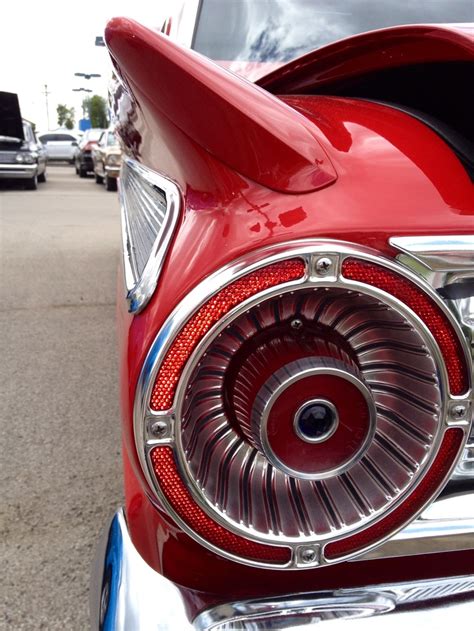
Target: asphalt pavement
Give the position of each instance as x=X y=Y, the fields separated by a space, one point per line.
x=60 y=470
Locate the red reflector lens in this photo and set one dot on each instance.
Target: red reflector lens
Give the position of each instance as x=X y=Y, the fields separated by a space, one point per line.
x=407 y=509
x=210 y=313
x=180 y=499
x=424 y=308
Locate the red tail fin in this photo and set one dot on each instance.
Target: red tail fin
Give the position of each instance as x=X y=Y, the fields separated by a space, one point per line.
x=237 y=122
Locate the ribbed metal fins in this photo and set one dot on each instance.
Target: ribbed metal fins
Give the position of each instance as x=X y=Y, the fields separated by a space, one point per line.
x=227 y=460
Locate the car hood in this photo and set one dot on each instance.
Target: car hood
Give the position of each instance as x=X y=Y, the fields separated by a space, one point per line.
x=11 y=125
x=370 y=52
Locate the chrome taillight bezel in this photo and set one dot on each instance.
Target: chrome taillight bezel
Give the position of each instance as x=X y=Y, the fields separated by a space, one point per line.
x=323 y=260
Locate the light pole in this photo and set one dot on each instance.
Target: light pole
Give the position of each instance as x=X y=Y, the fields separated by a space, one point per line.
x=45 y=92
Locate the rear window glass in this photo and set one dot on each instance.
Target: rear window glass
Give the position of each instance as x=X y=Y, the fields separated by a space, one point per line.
x=281 y=30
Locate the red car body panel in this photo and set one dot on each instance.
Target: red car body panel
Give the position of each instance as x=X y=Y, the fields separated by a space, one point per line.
x=242 y=178
x=369 y=52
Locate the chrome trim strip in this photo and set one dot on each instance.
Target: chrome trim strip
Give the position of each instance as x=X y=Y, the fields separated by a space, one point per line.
x=307 y=610
x=125 y=593
x=141 y=288
x=311 y=251
x=439 y=253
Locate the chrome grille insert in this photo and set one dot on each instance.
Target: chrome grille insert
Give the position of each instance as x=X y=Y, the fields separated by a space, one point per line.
x=150 y=207
x=8 y=157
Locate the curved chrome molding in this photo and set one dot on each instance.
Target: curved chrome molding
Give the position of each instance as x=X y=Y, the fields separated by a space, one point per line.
x=140 y=286
x=311 y=251
x=306 y=610
x=126 y=594
x=124 y=590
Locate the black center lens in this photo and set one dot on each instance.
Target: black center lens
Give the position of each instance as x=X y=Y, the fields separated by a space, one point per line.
x=316 y=421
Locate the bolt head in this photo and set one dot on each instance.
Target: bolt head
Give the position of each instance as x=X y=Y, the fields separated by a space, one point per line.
x=308 y=555
x=458 y=412
x=296 y=324
x=159 y=428
x=323 y=266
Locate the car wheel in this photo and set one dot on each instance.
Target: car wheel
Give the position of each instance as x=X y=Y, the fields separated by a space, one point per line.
x=82 y=172
x=110 y=183
x=98 y=179
x=32 y=184
x=42 y=177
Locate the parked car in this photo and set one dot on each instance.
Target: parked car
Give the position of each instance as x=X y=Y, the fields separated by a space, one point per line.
x=22 y=156
x=60 y=145
x=83 y=156
x=296 y=359
x=107 y=158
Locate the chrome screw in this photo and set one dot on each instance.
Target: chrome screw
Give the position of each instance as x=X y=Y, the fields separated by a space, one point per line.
x=323 y=266
x=458 y=412
x=308 y=555
x=296 y=324
x=159 y=428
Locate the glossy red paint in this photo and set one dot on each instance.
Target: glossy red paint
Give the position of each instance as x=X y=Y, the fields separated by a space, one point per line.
x=395 y=177
x=268 y=142
x=370 y=52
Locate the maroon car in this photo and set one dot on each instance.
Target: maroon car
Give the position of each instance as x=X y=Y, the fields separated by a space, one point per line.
x=295 y=317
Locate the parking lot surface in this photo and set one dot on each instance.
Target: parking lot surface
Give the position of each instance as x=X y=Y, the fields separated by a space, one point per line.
x=60 y=434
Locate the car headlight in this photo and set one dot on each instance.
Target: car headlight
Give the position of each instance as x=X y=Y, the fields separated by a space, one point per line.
x=113 y=160
x=26 y=157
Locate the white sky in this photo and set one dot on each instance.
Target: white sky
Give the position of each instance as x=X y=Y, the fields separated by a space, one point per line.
x=47 y=42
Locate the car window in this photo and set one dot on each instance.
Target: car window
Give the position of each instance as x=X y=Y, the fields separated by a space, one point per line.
x=46 y=138
x=57 y=138
x=94 y=134
x=28 y=132
x=281 y=30
x=111 y=139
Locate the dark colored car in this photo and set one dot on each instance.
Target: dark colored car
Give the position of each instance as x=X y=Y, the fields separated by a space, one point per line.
x=83 y=157
x=295 y=318
x=22 y=156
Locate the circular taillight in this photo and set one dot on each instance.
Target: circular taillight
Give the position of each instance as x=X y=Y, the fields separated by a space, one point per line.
x=305 y=411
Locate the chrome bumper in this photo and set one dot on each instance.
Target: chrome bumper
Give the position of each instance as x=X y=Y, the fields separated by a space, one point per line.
x=18 y=171
x=112 y=171
x=127 y=594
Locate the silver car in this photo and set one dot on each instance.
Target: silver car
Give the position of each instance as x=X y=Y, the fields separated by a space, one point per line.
x=60 y=145
x=22 y=157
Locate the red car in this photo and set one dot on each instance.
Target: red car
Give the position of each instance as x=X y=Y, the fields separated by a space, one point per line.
x=296 y=344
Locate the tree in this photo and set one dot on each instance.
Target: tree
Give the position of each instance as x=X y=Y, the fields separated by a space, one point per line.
x=96 y=108
x=65 y=116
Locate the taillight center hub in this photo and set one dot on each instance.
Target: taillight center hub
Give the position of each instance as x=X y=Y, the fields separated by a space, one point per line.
x=316 y=421
x=314 y=417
